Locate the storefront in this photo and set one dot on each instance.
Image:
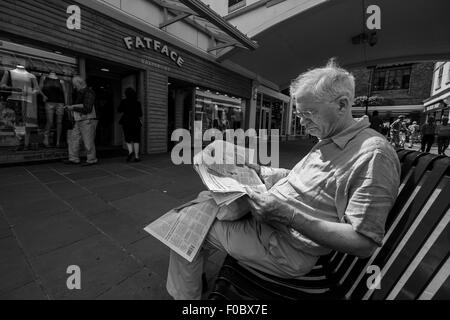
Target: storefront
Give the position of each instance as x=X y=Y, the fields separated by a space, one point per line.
x=35 y=85
x=174 y=85
x=272 y=111
x=438 y=110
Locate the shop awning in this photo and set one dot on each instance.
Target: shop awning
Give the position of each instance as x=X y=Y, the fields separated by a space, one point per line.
x=201 y=16
x=439 y=97
x=392 y=109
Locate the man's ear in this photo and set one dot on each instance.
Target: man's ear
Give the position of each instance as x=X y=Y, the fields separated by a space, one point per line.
x=344 y=104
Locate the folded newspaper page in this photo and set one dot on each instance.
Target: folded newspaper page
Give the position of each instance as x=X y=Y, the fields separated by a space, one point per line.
x=184 y=230
x=228 y=180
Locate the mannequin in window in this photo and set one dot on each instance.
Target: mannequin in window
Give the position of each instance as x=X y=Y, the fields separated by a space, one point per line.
x=24 y=88
x=55 y=99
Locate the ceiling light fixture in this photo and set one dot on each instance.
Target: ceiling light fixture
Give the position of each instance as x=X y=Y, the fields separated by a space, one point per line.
x=104 y=69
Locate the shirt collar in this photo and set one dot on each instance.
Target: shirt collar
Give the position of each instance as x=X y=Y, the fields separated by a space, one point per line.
x=342 y=138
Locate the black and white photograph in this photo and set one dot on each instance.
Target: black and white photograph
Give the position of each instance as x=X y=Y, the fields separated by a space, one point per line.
x=229 y=158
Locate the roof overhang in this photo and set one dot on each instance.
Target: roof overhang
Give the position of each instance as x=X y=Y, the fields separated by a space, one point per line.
x=437 y=97
x=309 y=32
x=210 y=15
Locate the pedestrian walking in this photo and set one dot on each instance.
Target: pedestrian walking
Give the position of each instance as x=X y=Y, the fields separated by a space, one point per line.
x=428 y=131
x=397 y=128
x=131 y=123
x=413 y=133
x=443 y=136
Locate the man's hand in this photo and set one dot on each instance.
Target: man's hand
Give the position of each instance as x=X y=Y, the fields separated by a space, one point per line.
x=267 y=207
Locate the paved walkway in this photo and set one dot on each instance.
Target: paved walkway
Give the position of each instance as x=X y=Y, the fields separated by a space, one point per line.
x=55 y=215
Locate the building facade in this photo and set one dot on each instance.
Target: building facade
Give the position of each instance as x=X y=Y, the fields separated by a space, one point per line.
x=393 y=90
x=114 y=46
x=437 y=105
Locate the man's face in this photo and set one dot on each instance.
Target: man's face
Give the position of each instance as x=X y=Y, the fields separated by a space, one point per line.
x=76 y=84
x=319 y=118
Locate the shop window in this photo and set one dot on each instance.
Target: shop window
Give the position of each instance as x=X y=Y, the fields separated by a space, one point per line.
x=34 y=88
x=391 y=79
x=219 y=111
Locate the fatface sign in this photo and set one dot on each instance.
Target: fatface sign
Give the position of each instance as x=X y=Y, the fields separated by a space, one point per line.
x=155 y=45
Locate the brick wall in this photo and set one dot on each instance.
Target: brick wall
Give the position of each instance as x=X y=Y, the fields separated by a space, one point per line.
x=419 y=87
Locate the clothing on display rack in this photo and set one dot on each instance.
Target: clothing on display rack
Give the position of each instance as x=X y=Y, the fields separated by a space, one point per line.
x=55 y=99
x=24 y=89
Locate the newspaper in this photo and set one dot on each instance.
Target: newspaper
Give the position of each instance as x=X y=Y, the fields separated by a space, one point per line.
x=184 y=230
x=228 y=181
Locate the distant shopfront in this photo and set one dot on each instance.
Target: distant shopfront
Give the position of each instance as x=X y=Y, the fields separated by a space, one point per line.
x=438 y=109
x=174 y=85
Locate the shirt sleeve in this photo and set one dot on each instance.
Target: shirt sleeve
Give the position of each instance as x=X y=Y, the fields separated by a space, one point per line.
x=372 y=191
x=88 y=103
x=271 y=175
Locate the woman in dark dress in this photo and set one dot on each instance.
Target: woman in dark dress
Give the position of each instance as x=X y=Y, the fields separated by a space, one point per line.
x=131 y=123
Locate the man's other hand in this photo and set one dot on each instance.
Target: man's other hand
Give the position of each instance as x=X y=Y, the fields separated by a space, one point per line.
x=267 y=207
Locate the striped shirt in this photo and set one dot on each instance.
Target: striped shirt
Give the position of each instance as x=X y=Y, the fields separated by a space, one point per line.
x=352 y=177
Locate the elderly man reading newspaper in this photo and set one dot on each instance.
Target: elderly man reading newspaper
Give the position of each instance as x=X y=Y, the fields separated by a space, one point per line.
x=336 y=198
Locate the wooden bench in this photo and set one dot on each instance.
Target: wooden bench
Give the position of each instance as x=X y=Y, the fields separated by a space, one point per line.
x=413 y=260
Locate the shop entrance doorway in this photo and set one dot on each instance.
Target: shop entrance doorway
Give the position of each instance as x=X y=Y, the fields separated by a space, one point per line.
x=179 y=108
x=106 y=102
x=109 y=82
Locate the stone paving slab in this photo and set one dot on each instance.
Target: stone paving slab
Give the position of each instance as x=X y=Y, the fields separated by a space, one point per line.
x=141 y=286
x=29 y=291
x=131 y=173
x=49 y=176
x=42 y=235
x=21 y=211
x=118 y=191
x=89 y=205
x=100 y=181
x=12 y=179
x=103 y=265
x=152 y=253
x=14 y=273
x=147 y=206
x=119 y=226
x=12 y=171
x=153 y=181
x=67 y=189
x=5 y=229
x=87 y=174
x=9 y=249
x=23 y=193
x=184 y=190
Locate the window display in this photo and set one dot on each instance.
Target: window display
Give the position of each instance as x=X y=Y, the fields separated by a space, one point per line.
x=34 y=88
x=218 y=111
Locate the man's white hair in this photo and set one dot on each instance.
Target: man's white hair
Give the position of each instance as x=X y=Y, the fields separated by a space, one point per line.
x=325 y=84
x=79 y=80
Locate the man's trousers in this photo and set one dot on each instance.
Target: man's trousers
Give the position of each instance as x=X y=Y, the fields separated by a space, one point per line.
x=83 y=130
x=252 y=243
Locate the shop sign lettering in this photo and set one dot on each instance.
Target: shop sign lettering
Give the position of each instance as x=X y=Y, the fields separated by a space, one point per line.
x=155 y=45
